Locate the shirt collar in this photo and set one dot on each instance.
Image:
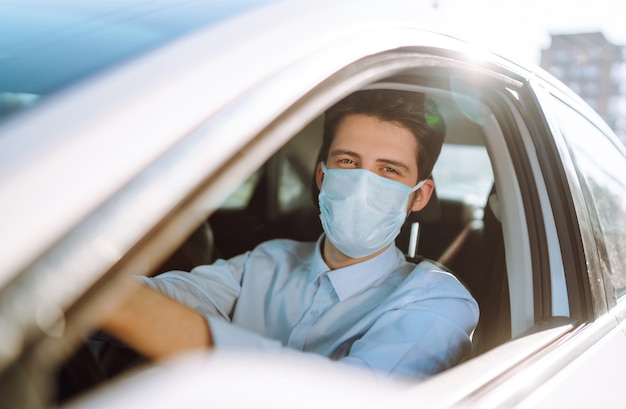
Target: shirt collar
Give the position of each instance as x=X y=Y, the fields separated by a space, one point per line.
x=350 y=280
x=318 y=265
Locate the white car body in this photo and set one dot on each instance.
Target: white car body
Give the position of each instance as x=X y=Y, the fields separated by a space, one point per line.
x=106 y=177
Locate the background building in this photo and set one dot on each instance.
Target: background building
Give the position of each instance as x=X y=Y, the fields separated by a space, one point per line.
x=595 y=69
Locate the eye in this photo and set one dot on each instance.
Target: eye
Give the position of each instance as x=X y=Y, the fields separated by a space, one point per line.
x=346 y=162
x=388 y=169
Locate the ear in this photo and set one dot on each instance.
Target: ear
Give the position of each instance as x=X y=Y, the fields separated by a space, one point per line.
x=319 y=175
x=423 y=195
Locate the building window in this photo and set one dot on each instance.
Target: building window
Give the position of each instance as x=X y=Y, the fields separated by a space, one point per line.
x=593 y=103
x=574 y=86
x=591 y=88
x=591 y=71
x=560 y=56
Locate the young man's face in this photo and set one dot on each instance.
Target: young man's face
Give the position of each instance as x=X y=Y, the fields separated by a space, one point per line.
x=389 y=150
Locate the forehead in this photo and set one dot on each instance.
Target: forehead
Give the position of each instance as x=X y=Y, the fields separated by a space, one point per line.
x=374 y=138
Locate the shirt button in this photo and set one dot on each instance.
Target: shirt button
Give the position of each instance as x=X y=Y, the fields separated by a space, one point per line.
x=314 y=313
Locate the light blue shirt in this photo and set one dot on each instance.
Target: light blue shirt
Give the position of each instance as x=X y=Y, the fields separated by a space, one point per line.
x=385 y=313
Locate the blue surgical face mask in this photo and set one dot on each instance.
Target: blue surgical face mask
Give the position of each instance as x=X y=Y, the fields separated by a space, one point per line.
x=362 y=212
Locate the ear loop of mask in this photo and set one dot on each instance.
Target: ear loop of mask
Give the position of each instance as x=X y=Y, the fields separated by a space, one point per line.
x=418 y=186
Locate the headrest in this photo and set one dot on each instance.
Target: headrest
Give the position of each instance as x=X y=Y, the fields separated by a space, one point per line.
x=494 y=205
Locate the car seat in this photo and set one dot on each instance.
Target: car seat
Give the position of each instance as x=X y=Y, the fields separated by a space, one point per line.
x=481 y=265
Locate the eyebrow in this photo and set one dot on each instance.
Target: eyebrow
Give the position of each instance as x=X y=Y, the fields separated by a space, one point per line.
x=395 y=163
x=337 y=152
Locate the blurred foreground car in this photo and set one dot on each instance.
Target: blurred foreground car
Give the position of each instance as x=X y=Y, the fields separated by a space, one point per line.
x=137 y=137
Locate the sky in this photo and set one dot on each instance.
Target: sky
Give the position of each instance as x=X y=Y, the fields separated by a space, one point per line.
x=521 y=28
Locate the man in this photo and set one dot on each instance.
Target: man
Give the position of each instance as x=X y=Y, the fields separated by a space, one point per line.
x=351 y=296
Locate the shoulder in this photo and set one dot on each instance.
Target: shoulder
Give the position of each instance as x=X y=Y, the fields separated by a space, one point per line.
x=431 y=287
x=429 y=278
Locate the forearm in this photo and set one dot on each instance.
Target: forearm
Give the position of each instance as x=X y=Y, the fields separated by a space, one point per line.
x=157 y=326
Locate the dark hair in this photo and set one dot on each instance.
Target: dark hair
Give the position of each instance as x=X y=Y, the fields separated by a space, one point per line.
x=411 y=110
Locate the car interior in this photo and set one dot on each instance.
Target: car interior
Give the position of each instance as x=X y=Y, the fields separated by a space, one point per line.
x=460 y=228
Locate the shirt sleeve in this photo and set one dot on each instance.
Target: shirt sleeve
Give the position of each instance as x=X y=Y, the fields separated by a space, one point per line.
x=420 y=338
x=211 y=290
x=228 y=336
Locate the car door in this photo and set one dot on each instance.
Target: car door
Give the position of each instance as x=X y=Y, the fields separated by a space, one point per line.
x=591 y=158
x=571 y=202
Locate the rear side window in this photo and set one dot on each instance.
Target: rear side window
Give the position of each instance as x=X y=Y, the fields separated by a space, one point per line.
x=601 y=167
x=464 y=173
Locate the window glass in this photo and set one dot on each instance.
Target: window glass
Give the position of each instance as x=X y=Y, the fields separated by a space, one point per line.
x=591 y=72
x=561 y=55
x=240 y=198
x=601 y=167
x=291 y=188
x=463 y=172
